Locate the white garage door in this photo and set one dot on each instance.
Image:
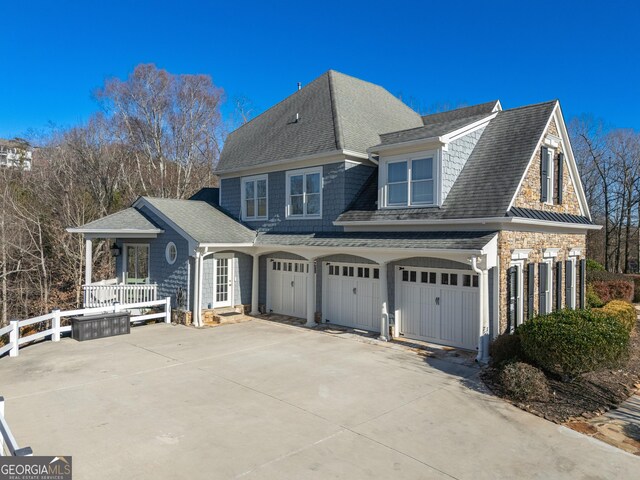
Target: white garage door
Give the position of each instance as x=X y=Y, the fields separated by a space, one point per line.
x=439 y=306
x=351 y=295
x=287 y=287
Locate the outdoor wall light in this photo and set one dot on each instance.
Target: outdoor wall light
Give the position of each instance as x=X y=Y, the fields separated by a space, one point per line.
x=115 y=250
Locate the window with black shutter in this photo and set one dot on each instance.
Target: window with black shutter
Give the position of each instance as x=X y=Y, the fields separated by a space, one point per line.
x=560 y=171
x=531 y=275
x=544 y=174
x=583 y=283
x=558 y=285
x=512 y=295
x=543 y=286
x=569 y=287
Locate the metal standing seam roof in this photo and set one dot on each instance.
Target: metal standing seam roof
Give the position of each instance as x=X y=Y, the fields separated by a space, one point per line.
x=423 y=240
x=489 y=179
x=202 y=221
x=548 y=216
x=335 y=112
x=127 y=219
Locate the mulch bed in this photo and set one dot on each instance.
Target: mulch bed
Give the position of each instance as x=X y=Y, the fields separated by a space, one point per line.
x=587 y=396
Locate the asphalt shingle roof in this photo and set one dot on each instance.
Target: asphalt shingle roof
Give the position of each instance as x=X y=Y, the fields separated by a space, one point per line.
x=202 y=222
x=127 y=219
x=488 y=180
x=461 y=113
x=336 y=112
x=426 y=240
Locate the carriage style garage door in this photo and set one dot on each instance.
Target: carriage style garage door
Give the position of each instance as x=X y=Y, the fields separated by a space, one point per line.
x=439 y=306
x=287 y=287
x=351 y=295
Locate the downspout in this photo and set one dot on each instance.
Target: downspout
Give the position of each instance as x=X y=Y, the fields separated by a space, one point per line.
x=483 y=339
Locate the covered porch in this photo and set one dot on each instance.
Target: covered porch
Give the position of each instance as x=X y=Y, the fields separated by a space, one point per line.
x=129 y=235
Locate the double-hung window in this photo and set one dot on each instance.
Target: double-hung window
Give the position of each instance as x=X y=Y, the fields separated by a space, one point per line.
x=254 y=198
x=304 y=193
x=136 y=263
x=410 y=182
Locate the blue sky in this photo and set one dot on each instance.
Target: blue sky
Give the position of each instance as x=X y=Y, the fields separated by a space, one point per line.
x=585 y=53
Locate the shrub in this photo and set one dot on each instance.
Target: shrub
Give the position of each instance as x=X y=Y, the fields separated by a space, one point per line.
x=624 y=312
x=570 y=342
x=613 y=290
x=594 y=266
x=604 y=276
x=506 y=348
x=524 y=382
x=592 y=298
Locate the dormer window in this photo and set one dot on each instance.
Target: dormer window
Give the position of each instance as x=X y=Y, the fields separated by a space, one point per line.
x=410 y=181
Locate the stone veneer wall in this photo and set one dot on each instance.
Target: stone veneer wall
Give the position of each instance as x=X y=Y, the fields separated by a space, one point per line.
x=529 y=194
x=537 y=242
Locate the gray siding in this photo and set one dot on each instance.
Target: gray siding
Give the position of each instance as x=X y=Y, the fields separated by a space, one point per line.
x=341 y=182
x=455 y=158
x=243 y=267
x=168 y=277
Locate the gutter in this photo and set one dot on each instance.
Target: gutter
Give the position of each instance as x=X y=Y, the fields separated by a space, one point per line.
x=467 y=221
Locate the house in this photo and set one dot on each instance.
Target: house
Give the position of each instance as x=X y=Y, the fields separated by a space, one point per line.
x=342 y=205
x=15 y=153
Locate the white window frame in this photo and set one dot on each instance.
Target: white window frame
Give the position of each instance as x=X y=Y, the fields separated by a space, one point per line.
x=383 y=193
x=571 y=302
x=550 y=263
x=167 y=249
x=304 y=172
x=551 y=153
x=125 y=261
x=519 y=264
x=254 y=179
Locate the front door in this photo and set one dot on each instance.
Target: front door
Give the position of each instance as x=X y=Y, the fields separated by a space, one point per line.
x=223 y=281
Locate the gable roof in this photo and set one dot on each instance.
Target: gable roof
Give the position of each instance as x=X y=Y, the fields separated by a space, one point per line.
x=127 y=220
x=199 y=220
x=336 y=112
x=489 y=179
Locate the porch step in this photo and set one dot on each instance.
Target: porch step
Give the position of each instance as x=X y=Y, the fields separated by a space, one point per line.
x=217 y=316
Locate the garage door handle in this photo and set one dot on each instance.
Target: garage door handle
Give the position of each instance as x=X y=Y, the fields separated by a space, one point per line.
x=292 y=283
x=354 y=290
x=437 y=300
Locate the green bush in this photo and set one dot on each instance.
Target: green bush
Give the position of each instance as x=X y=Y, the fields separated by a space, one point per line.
x=604 y=276
x=505 y=348
x=594 y=266
x=570 y=342
x=592 y=298
x=624 y=312
x=613 y=290
x=524 y=382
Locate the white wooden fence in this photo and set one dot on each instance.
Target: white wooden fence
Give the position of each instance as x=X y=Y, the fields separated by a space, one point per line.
x=105 y=293
x=8 y=443
x=54 y=331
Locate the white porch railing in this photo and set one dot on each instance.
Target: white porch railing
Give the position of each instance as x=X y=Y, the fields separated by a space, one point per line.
x=55 y=329
x=108 y=292
x=8 y=444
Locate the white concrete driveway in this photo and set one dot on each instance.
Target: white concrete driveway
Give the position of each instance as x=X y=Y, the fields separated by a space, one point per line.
x=264 y=400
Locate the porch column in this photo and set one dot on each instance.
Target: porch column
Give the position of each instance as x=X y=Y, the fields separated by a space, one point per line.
x=483 y=300
x=255 y=285
x=88 y=257
x=196 y=290
x=311 y=296
x=384 y=303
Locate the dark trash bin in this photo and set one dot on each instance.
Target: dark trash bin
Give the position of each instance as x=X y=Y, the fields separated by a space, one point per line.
x=100 y=325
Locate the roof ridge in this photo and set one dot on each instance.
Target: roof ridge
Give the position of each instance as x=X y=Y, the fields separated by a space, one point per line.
x=472 y=118
x=493 y=102
x=337 y=128
x=531 y=105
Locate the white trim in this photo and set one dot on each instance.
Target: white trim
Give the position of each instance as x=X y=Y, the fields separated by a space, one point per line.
x=550 y=296
x=304 y=172
x=120 y=232
x=520 y=253
x=467 y=129
x=575 y=252
x=571 y=302
x=231 y=280
x=552 y=141
x=166 y=253
x=322 y=158
x=243 y=207
x=436 y=174
x=551 y=155
x=551 y=252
